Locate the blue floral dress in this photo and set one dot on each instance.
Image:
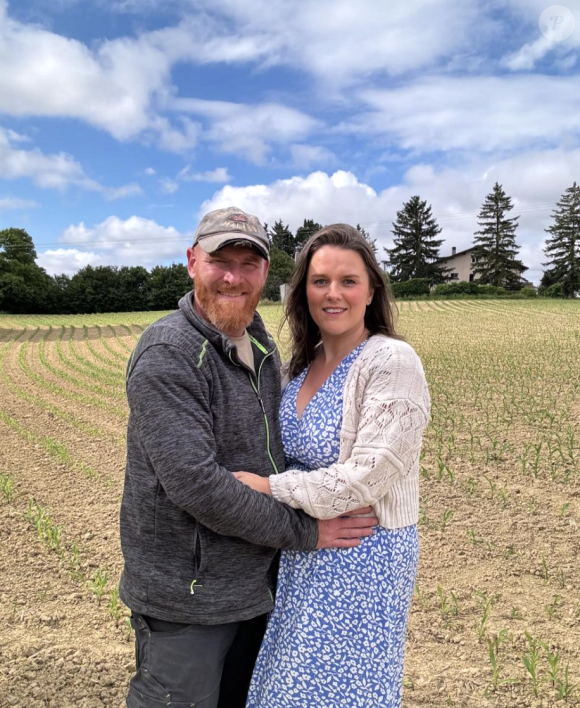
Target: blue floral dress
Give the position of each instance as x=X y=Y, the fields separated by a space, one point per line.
x=337 y=634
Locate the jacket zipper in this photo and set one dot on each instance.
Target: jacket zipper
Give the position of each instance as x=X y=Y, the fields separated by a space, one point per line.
x=256 y=387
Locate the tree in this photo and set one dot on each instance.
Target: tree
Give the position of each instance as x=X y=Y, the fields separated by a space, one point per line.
x=416 y=248
x=495 y=243
x=563 y=248
x=133 y=289
x=304 y=232
x=367 y=237
x=94 y=290
x=24 y=286
x=282 y=238
x=281 y=267
x=167 y=285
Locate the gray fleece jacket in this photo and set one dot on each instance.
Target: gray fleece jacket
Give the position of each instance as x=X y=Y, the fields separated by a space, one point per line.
x=197 y=544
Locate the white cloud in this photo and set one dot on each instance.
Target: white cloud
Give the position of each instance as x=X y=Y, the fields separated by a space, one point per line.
x=535 y=181
x=112 y=86
x=218 y=176
x=248 y=130
x=52 y=171
x=67 y=261
x=538 y=47
x=305 y=156
x=341 y=42
x=167 y=185
x=150 y=171
x=13 y=203
x=115 y=241
x=111 y=194
x=473 y=113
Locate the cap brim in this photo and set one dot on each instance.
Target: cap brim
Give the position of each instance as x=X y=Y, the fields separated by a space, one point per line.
x=213 y=243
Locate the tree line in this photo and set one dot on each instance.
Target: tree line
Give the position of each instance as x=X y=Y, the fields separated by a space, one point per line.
x=25 y=287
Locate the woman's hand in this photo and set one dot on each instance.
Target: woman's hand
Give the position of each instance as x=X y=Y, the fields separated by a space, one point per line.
x=257 y=483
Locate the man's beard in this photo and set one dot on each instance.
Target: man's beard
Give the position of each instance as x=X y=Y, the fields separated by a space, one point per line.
x=227 y=316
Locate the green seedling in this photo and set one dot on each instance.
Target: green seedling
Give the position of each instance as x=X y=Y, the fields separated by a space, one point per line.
x=485 y=603
x=447 y=516
x=531 y=659
x=553 y=607
x=475 y=540
x=564 y=510
x=47 y=532
x=6 y=486
x=98 y=583
x=562 y=578
x=516 y=614
x=447 y=607
x=565 y=688
x=115 y=608
x=493 y=646
x=471 y=485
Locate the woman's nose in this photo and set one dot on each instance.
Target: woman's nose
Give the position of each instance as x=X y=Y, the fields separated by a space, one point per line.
x=333 y=291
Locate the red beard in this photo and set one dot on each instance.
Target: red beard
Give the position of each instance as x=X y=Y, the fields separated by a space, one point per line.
x=227 y=316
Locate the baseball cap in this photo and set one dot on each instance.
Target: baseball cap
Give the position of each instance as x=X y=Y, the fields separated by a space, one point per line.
x=228 y=226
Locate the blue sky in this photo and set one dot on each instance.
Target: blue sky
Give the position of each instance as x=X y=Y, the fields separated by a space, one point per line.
x=123 y=121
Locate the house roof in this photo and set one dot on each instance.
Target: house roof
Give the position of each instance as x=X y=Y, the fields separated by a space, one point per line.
x=454 y=255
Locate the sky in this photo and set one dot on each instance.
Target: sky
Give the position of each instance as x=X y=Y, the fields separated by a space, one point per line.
x=123 y=121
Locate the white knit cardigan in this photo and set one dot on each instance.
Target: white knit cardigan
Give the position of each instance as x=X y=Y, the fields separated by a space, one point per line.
x=385 y=410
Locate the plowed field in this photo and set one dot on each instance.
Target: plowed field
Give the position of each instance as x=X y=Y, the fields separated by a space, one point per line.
x=496 y=615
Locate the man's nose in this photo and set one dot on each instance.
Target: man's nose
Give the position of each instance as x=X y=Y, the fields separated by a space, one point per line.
x=232 y=275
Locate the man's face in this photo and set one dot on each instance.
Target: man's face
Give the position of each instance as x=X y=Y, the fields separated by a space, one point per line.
x=228 y=285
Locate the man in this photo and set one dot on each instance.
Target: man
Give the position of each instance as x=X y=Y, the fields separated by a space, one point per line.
x=204 y=389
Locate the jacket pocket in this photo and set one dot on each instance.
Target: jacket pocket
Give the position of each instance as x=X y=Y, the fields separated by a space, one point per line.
x=199 y=550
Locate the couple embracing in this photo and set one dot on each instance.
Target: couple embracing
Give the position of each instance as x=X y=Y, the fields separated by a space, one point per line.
x=225 y=466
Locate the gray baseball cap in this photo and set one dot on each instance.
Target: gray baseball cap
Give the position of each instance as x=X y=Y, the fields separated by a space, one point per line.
x=231 y=225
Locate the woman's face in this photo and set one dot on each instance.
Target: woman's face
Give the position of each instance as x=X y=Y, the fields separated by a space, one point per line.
x=338 y=291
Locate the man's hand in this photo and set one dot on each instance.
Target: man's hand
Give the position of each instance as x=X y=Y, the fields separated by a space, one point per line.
x=346 y=531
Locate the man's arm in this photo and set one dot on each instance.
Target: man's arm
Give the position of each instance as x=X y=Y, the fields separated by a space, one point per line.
x=170 y=410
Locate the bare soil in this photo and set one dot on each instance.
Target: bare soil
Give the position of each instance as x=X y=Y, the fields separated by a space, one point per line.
x=496 y=532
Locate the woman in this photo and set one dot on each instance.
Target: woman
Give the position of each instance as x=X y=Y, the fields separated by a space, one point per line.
x=352 y=421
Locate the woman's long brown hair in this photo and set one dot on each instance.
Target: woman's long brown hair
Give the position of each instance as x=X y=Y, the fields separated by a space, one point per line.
x=305 y=335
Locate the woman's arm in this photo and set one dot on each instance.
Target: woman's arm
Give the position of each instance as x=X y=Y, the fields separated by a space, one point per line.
x=388 y=441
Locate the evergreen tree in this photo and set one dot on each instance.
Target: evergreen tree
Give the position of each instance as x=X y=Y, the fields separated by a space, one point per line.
x=282 y=238
x=495 y=243
x=304 y=232
x=416 y=248
x=367 y=237
x=281 y=267
x=563 y=248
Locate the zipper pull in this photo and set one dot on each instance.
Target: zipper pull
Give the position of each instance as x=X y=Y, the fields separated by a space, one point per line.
x=261 y=402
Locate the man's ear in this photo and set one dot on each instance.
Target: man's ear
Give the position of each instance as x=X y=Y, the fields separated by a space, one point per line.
x=191 y=261
x=266 y=269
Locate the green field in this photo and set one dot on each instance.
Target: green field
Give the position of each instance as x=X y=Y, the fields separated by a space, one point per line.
x=496 y=615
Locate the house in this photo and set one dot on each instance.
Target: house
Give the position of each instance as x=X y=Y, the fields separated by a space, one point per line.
x=460 y=264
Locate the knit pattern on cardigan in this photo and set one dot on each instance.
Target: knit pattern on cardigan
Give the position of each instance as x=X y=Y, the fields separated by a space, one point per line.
x=385 y=411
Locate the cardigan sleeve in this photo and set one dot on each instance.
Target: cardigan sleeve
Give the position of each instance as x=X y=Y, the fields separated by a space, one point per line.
x=394 y=411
